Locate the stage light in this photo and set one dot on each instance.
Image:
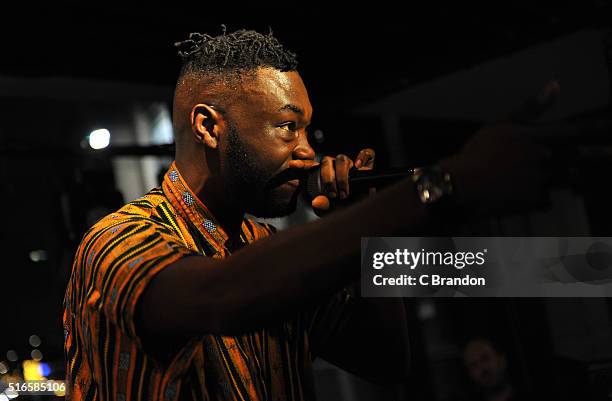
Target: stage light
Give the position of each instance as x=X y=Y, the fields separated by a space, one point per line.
x=61 y=391
x=36 y=355
x=32 y=370
x=34 y=341
x=99 y=138
x=39 y=255
x=45 y=369
x=12 y=356
x=426 y=310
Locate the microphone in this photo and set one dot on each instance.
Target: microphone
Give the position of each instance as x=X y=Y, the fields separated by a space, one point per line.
x=360 y=181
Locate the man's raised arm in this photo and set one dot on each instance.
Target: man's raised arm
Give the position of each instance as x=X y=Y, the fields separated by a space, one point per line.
x=273 y=278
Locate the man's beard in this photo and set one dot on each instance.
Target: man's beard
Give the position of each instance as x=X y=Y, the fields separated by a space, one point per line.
x=252 y=186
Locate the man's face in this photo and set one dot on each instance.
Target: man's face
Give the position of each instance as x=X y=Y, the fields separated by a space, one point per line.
x=266 y=130
x=485 y=366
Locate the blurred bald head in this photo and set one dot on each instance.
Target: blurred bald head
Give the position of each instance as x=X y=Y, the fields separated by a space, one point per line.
x=486 y=365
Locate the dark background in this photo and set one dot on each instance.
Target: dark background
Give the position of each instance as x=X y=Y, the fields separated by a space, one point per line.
x=66 y=67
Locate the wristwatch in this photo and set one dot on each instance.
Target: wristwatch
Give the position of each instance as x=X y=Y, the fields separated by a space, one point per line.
x=432 y=184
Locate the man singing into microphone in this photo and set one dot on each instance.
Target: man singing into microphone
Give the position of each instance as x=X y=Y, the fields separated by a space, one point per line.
x=179 y=296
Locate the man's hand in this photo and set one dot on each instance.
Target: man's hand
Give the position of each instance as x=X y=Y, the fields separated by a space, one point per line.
x=508 y=166
x=504 y=166
x=335 y=177
x=500 y=169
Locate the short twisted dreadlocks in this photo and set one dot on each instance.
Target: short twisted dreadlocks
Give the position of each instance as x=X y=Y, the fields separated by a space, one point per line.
x=233 y=54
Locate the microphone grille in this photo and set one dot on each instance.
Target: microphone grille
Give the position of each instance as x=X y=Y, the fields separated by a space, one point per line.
x=313 y=183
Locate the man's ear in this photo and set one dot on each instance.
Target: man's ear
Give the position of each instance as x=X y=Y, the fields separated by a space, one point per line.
x=205 y=124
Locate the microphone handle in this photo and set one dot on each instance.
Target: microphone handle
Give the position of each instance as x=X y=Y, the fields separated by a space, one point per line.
x=360 y=181
x=377 y=178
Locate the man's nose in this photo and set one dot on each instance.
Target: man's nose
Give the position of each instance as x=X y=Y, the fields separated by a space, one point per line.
x=303 y=150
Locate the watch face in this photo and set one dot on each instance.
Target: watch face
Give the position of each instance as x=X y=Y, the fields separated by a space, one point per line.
x=429 y=192
x=432 y=184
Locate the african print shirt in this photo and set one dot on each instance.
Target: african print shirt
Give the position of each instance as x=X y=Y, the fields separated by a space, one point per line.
x=116 y=260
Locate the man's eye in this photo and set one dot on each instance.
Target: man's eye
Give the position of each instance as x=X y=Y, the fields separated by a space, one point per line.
x=290 y=126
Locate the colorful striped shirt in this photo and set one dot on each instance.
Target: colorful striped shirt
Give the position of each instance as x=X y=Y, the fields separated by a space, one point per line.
x=116 y=260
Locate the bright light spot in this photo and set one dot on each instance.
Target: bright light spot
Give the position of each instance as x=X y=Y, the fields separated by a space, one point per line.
x=161 y=132
x=45 y=369
x=32 y=370
x=3 y=397
x=12 y=356
x=99 y=139
x=319 y=136
x=12 y=395
x=426 y=310
x=61 y=391
x=3 y=368
x=39 y=255
x=34 y=340
x=36 y=355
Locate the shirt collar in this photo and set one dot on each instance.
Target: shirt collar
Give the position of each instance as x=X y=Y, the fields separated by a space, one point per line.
x=186 y=203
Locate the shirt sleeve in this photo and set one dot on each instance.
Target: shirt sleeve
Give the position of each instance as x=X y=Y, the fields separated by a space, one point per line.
x=120 y=260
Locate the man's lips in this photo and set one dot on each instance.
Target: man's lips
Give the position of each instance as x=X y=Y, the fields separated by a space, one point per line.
x=289 y=177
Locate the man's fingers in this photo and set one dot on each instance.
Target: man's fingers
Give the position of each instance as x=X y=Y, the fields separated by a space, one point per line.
x=343 y=165
x=365 y=159
x=320 y=204
x=534 y=107
x=328 y=177
x=302 y=164
x=335 y=176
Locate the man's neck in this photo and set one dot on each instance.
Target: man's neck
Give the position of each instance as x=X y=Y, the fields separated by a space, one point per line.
x=230 y=220
x=226 y=214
